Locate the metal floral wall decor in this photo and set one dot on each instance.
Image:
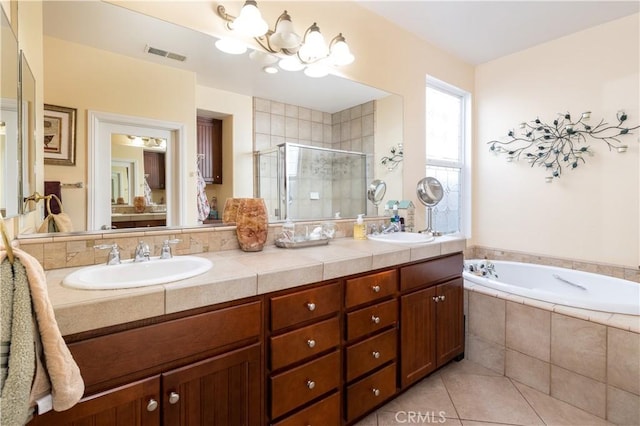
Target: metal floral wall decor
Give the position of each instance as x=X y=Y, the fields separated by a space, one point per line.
x=561 y=144
x=392 y=160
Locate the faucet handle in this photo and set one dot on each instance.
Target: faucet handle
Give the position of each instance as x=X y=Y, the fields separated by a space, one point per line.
x=165 y=252
x=114 y=254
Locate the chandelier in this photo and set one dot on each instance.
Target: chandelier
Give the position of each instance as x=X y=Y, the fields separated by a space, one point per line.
x=284 y=46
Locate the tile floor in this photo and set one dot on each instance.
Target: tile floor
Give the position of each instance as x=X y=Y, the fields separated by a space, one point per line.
x=467 y=394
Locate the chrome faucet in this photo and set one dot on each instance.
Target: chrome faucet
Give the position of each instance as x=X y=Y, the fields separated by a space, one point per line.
x=142 y=252
x=393 y=227
x=114 y=254
x=165 y=252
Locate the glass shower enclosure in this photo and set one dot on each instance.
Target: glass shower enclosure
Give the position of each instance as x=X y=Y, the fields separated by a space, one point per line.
x=307 y=182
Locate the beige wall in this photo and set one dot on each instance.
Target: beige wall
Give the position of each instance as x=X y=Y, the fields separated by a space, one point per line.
x=592 y=212
x=84 y=78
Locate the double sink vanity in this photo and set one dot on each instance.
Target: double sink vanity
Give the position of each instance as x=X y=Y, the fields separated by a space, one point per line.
x=319 y=335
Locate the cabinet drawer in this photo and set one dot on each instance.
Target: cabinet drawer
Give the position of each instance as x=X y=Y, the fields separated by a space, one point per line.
x=371 y=353
x=149 y=347
x=362 y=396
x=304 y=305
x=429 y=272
x=371 y=319
x=325 y=412
x=303 y=343
x=302 y=384
x=370 y=287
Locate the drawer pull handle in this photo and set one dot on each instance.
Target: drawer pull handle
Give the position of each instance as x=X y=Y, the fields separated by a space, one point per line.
x=152 y=405
x=375 y=354
x=311 y=306
x=311 y=384
x=376 y=392
x=174 y=397
x=376 y=288
x=375 y=319
x=311 y=343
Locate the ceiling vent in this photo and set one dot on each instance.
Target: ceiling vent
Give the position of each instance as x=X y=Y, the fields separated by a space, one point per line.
x=164 y=53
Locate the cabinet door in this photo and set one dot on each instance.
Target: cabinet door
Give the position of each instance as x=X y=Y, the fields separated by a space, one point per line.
x=135 y=404
x=223 y=390
x=210 y=146
x=450 y=323
x=417 y=331
x=155 y=168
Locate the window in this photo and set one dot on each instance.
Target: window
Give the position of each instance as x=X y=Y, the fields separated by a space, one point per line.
x=446 y=146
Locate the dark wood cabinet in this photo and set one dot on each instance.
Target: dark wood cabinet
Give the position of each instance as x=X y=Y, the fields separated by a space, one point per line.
x=134 y=404
x=220 y=391
x=334 y=352
x=154 y=167
x=203 y=369
x=431 y=317
x=209 y=144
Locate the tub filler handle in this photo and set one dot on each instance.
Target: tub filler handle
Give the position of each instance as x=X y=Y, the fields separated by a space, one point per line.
x=559 y=278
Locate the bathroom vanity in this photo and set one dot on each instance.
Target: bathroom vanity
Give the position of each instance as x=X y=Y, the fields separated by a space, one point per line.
x=326 y=348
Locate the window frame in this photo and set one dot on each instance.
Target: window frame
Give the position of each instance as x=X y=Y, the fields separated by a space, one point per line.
x=464 y=148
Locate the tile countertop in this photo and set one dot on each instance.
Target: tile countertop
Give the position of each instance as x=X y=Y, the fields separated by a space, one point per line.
x=235 y=275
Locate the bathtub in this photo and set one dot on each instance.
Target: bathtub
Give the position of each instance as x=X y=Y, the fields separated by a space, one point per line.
x=560 y=286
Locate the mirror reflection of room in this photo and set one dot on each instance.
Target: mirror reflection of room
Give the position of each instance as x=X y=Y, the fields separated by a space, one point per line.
x=138 y=181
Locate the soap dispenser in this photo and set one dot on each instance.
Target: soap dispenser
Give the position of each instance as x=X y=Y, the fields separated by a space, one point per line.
x=359 y=229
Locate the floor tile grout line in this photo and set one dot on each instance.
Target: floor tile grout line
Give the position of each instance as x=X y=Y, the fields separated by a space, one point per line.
x=526 y=400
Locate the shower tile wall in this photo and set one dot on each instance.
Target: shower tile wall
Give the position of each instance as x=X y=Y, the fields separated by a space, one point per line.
x=350 y=130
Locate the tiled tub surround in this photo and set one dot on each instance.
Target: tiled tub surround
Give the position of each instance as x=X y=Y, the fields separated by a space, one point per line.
x=235 y=274
x=588 y=359
x=479 y=252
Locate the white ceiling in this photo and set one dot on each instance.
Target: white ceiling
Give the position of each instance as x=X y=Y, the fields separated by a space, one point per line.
x=475 y=31
x=480 y=31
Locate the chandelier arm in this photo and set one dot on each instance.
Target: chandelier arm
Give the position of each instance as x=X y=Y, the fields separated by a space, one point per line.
x=266 y=46
x=222 y=12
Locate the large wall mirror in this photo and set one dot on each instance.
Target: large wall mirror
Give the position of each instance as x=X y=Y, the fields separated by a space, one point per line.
x=10 y=203
x=72 y=26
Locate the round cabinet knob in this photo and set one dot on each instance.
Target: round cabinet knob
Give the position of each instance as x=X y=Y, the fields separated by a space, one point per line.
x=311 y=384
x=376 y=288
x=375 y=354
x=375 y=319
x=441 y=298
x=436 y=298
x=152 y=405
x=376 y=392
x=174 y=397
x=311 y=343
x=311 y=306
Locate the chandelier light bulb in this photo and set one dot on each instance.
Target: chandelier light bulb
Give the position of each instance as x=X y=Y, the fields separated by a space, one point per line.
x=314 y=46
x=250 y=23
x=284 y=36
x=340 y=52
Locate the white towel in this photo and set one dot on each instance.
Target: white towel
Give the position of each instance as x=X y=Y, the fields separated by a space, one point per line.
x=203 y=202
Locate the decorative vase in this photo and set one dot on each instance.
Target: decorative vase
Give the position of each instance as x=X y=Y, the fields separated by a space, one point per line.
x=251 y=224
x=230 y=210
x=139 y=204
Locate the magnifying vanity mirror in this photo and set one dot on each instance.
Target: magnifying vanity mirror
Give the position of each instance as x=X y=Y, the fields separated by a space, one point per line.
x=430 y=193
x=74 y=31
x=376 y=191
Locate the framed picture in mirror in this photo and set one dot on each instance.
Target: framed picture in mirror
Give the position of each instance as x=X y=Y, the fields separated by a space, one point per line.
x=59 y=135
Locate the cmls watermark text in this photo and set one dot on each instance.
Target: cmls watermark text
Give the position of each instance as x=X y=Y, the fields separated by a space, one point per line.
x=418 y=417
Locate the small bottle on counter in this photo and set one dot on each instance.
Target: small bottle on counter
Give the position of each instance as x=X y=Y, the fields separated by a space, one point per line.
x=359 y=228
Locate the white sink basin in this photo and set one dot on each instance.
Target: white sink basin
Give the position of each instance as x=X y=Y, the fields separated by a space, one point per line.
x=137 y=274
x=402 y=238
